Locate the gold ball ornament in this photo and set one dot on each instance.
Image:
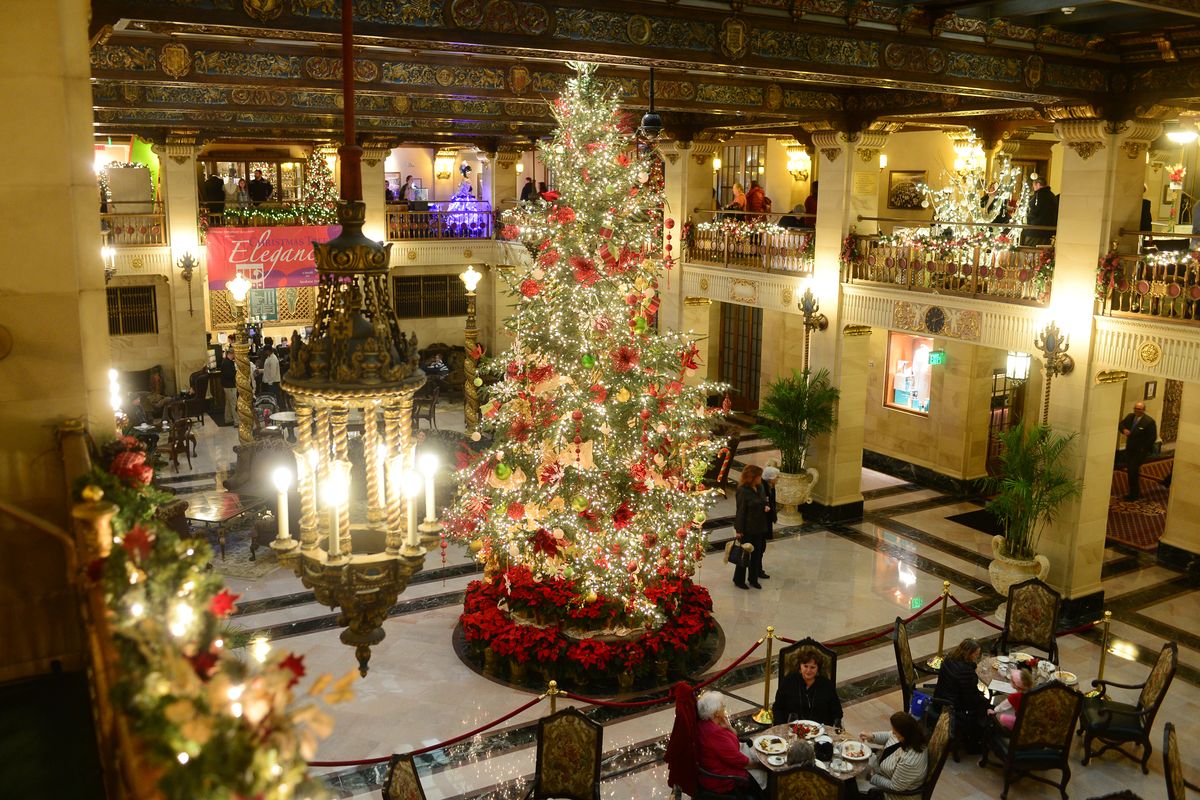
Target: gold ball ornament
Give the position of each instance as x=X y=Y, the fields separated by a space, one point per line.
x=92 y=494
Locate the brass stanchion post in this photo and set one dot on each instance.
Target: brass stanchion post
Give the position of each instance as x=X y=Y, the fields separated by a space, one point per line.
x=936 y=661
x=1105 y=622
x=552 y=693
x=764 y=715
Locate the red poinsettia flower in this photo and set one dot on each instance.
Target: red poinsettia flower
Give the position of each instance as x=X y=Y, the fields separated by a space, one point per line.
x=549 y=197
x=476 y=352
x=551 y=473
x=222 y=603
x=544 y=542
x=515 y=511
x=592 y=147
x=585 y=270
x=530 y=288
x=295 y=664
x=548 y=258
x=138 y=542
x=622 y=516
x=584 y=175
x=539 y=374
x=599 y=393
x=204 y=664
x=566 y=215
x=623 y=159
x=130 y=466
x=625 y=358
x=520 y=429
x=510 y=232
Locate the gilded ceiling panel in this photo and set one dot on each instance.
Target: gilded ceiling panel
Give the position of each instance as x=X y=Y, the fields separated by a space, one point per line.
x=247 y=65
x=427 y=75
x=800 y=99
x=983 y=68
x=1066 y=76
x=124 y=57
x=831 y=50
x=633 y=29
x=720 y=94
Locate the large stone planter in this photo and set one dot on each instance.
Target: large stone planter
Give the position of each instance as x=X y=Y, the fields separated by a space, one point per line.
x=1005 y=572
x=792 y=491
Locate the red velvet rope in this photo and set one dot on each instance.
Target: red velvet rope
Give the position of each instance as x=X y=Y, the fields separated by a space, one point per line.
x=432 y=747
x=932 y=604
x=972 y=613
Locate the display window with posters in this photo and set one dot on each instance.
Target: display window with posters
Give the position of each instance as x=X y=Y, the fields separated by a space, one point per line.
x=909 y=375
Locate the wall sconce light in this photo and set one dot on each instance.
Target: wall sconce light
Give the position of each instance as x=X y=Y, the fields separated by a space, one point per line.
x=520 y=167
x=442 y=166
x=883 y=161
x=1017 y=367
x=810 y=307
x=716 y=163
x=1053 y=345
x=799 y=164
x=108 y=256
x=187 y=263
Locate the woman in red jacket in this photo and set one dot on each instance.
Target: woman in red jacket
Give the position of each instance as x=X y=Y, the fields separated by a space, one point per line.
x=720 y=752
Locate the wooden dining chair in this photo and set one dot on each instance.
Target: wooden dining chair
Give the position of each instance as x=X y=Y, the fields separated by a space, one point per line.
x=180 y=440
x=1040 y=739
x=569 y=750
x=1172 y=764
x=789 y=659
x=425 y=406
x=1031 y=618
x=937 y=750
x=909 y=671
x=402 y=782
x=1115 y=723
x=803 y=783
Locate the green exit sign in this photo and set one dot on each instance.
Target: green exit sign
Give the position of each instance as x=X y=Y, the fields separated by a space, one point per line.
x=937 y=356
x=916 y=602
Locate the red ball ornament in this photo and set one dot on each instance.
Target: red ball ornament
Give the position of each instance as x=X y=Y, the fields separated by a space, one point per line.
x=577 y=415
x=670 y=223
x=644 y=413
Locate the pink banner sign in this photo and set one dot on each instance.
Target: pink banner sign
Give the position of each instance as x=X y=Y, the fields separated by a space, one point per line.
x=270 y=258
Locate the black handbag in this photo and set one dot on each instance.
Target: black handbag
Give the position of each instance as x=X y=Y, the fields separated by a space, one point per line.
x=737 y=554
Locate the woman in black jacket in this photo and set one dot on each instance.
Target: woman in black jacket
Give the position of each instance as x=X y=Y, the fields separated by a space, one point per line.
x=750 y=524
x=804 y=693
x=958 y=685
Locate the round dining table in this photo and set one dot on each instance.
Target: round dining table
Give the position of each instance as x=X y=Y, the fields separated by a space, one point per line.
x=838 y=736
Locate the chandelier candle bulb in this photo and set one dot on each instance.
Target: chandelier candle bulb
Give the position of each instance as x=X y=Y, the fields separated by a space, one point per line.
x=282 y=478
x=411 y=483
x=427 y=463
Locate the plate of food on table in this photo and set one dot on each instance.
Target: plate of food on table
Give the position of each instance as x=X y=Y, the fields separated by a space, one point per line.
x=770 y=745
x=855 y=751
x=807 y=729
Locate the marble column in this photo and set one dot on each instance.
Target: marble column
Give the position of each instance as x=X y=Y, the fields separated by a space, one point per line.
x=181 y=202
x=687 y=184
x=54 y=351
x=1180 y=545
x=374 y=185
x=1102 y=176
x=838 y=456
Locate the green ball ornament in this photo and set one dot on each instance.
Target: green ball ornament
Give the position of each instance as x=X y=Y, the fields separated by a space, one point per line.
x=503 y=471
x=579 y=503
x=478 y=381
x=640 y=325
x=568 y=573
x=588 y=360
x=699 y=517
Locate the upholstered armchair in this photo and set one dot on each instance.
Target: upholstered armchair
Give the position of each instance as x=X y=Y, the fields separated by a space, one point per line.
x=937 y=750
x=1115 y=723
x=1040 y=739
x=1031 y=618
x=1172 y=764
x=789 y=659
x=402 y=782
x=808 y=782
x=909 y=671
x=569 y=749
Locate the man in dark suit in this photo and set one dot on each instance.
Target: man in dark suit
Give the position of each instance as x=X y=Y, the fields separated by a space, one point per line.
x=1140 y=434
x=1043 y=210
x=260 y=188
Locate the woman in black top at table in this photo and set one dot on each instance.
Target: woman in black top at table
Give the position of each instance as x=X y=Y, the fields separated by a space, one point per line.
x=750 y=524
x=805 y=693
x=958 y=685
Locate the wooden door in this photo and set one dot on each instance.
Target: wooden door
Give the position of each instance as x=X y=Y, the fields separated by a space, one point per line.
x=741 y=354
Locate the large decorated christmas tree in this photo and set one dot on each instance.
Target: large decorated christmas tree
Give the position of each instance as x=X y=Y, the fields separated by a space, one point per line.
x=320 y=195
x=587 y=506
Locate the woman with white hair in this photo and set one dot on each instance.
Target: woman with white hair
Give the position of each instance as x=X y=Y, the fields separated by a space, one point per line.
x=720 y=751
x=769 y=479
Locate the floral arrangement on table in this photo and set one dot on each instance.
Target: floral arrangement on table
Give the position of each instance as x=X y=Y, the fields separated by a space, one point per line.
x=211 y=723
x=1176 y=175
x=525 y=618
x=1108 y=274
x=740 y=228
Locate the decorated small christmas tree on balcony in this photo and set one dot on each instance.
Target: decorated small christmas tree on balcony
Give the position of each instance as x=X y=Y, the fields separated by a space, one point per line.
x=320 y=195
x=587 y=507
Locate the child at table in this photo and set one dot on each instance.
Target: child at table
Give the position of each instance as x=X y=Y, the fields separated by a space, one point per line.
x=1006 y=712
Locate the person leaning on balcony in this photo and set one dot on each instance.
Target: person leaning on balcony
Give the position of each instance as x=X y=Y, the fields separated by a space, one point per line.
x=810 y=208
x=1043 y=210
x=1140 y=432
x=738 y=203
x=757 y=201
x=260 y=188
x=528 y=191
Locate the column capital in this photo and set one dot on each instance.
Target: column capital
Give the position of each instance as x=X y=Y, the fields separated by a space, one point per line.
x=507 y=156
x=179 y=147
x=699 y=151
x=868 y=145
x=1084 y=136
x=830 y=143
x=1137 y=135
x=375 y=152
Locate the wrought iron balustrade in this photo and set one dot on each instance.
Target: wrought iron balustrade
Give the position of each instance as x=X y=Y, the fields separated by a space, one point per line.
x=756 y=242
x=993 y=271
x=133 y=224
x=1163 y=286
x=457 y=219
x=251 y=215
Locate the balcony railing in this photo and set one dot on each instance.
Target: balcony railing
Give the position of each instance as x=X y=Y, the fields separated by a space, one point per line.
x=757 y=242
x=984 y=265
x=133 y=224
x=449 y=219
x=1161 y=285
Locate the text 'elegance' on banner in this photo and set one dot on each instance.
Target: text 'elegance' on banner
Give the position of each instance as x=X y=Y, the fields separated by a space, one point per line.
x=269 y=257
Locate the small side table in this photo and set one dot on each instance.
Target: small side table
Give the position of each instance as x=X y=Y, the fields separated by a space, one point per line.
x=287 y=421
x=217 y=511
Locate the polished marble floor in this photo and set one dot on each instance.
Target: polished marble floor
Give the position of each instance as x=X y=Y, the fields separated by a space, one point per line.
x=834 y=583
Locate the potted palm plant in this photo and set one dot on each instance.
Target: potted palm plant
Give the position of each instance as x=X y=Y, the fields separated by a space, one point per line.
x=1032 y=484
x=795 y=410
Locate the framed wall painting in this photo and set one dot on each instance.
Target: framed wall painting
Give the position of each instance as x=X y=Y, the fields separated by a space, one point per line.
x=903 y=192
x=1151 y=390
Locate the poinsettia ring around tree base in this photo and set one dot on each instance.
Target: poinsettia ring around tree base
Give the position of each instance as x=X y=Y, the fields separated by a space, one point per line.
x=514 y=622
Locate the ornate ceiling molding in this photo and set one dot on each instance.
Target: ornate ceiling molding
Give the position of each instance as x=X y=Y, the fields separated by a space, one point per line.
x=1138 y=135
x=1085 y=137
x=830 y=143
